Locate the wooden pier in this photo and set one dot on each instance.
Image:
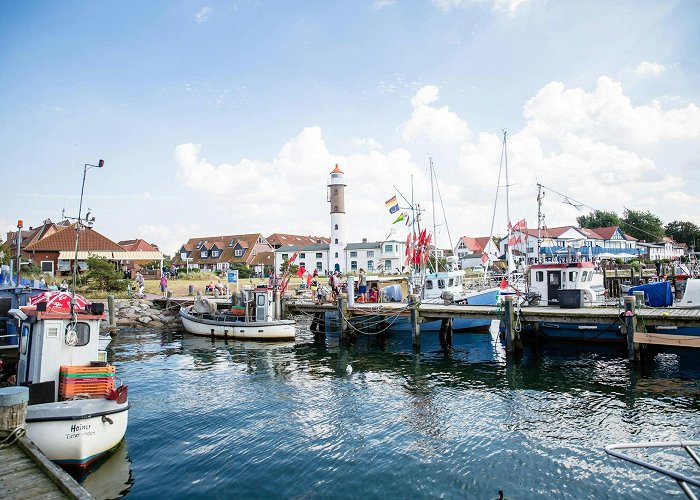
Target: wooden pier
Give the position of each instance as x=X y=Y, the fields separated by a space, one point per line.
x=631 y=315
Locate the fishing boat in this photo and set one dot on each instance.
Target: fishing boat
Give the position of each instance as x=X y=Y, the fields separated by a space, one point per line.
x=76 y=414
x=254 y=315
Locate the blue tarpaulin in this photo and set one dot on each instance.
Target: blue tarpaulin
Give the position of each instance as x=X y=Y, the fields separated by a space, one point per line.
x=655 y=294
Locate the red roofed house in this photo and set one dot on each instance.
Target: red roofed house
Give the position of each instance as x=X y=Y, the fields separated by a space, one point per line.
x=54 y=253
x=219 y=253
x=470 y=250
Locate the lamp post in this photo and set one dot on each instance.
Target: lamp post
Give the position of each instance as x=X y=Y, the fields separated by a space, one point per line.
x=78 y=227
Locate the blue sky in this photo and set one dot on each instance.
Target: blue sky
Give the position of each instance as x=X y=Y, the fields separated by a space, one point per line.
x=226 y=117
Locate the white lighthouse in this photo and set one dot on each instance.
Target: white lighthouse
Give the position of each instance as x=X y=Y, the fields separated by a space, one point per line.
x=336 y=197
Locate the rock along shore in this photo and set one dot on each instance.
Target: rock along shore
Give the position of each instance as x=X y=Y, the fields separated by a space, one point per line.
x=132 y=313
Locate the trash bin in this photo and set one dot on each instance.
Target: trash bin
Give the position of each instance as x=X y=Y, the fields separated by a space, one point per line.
x=570 y=299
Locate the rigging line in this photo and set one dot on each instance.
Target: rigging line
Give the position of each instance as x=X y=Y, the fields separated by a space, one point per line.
x=444 y=215
x=495 y=202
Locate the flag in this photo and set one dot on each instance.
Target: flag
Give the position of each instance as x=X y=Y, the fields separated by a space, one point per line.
x=504 y=284
x=293 y=257
x=408 y=244
x=399 y=218
x=513 y=241
x=308 y=280
x=392 y=205
x=484 y=258
x=301 y=271
x=519 y=226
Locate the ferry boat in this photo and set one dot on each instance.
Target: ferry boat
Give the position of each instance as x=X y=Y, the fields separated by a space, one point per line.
x=256 y=318
x=76 y=414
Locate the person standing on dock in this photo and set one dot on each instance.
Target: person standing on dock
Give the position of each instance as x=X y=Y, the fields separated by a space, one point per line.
x=164 y=285
x=362 y=285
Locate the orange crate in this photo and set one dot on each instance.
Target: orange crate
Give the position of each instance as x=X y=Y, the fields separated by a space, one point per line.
x=72 y=370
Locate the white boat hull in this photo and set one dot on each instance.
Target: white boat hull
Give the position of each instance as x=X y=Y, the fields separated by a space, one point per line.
x=75 y=433
x=259 y=330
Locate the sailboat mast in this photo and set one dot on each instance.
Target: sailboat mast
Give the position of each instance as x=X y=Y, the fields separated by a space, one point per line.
x=540 y=195
x=432 y=197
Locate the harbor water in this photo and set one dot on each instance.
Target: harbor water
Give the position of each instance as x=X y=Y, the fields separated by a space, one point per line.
x=369 y=418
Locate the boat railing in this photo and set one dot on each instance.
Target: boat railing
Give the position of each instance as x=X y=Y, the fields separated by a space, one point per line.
x=684 y=482
x=6 y=342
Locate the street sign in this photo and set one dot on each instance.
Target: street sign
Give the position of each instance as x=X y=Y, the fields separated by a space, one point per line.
x=232 y=276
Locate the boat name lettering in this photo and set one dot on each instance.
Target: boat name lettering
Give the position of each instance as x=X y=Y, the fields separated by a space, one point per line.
x=79 y=427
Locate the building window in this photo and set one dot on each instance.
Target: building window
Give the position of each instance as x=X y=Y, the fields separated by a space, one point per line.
x=370 y=265
x=302 y=264
x=285 y=256
x=319 y=255
x=238 y=252
x=370 y=253
x=336 y=255
x=214 y=253
x=336 y=227
x=387 y=265
x=335 y=190
x=335 y=208
x=388 y=248
x=47 y=266
x=353 y=254
x=204 y=254
x=183 y=255
x=353 y=265
x=319 y=266
x=336 y=241
x=302 y=255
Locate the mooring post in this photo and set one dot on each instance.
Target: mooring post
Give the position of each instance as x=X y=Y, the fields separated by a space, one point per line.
x=342 y=312
x=446 y=334
x=413 y=304
x=13 y=408
x=508 y=320
x=631 y=325
x=110 y=309
x=638 y=298
x=351 y=291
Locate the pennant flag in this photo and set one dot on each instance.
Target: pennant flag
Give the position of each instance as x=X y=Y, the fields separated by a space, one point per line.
x=519 y=226
x=392 y=205
x=293 y=257
x=308 y=280
x=399 y=218
x=504 y=284
x=484 y=258
x=408 y=244
x=513 y=240
x=301 y=271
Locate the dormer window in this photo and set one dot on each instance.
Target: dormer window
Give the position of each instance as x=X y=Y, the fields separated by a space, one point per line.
x=204 y=254
x=214 y=253
x=238 y=252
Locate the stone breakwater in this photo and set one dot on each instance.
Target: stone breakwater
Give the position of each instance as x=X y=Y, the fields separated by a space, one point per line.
x=140 y=312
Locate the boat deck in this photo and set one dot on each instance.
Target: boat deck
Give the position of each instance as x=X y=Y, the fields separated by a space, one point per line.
x=26 y=473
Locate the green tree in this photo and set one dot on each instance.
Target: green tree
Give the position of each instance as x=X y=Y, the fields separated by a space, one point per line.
x=599 y=218
x=244 y=271
x=102 y=275
x=683 y=232
x=642 y=225
x=5 y=252
x=285 y=266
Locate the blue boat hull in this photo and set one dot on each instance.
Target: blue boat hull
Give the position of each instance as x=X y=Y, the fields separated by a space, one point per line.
x=596 y=333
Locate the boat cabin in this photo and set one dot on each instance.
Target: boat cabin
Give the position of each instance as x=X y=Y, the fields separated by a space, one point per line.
x=48 y=341
x=550 y=278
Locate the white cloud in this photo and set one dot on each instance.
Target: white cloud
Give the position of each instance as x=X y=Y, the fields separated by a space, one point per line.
x=381 y=4
x=505 y=6
x=606 y=114
x=202 y=14
x=439 y=125
x=170 y=237
x=647 y=68
x=367 y=142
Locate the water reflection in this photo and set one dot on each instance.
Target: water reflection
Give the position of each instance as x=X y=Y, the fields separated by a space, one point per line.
x=215 y=417
x=110 y=477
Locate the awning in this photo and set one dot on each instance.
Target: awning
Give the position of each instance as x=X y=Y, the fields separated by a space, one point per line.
x=113 y=255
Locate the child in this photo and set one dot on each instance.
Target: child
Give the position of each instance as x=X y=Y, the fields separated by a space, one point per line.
x=164 y=285
x=314 y=290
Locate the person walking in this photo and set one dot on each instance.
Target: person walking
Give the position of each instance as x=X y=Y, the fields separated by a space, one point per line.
x=141 y=284
x=164 y=285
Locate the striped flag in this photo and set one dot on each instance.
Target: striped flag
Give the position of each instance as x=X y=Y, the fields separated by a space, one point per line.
x=392 y=205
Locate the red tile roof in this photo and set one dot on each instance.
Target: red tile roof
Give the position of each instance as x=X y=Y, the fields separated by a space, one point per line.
x=64 y=239
x=138 y=245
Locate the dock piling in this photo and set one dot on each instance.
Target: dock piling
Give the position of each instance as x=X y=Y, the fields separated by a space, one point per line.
x=446 y=334
x=631 y=326
x=112 y=314
x=508 y=323
x=413 y=304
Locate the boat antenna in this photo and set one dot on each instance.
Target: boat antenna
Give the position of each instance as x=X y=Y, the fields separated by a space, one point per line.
x=70 y=181
x=495 y=201
x=78 y=228
x=540 y=221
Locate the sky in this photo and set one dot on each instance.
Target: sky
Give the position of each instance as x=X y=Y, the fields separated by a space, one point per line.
x=228 y=117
